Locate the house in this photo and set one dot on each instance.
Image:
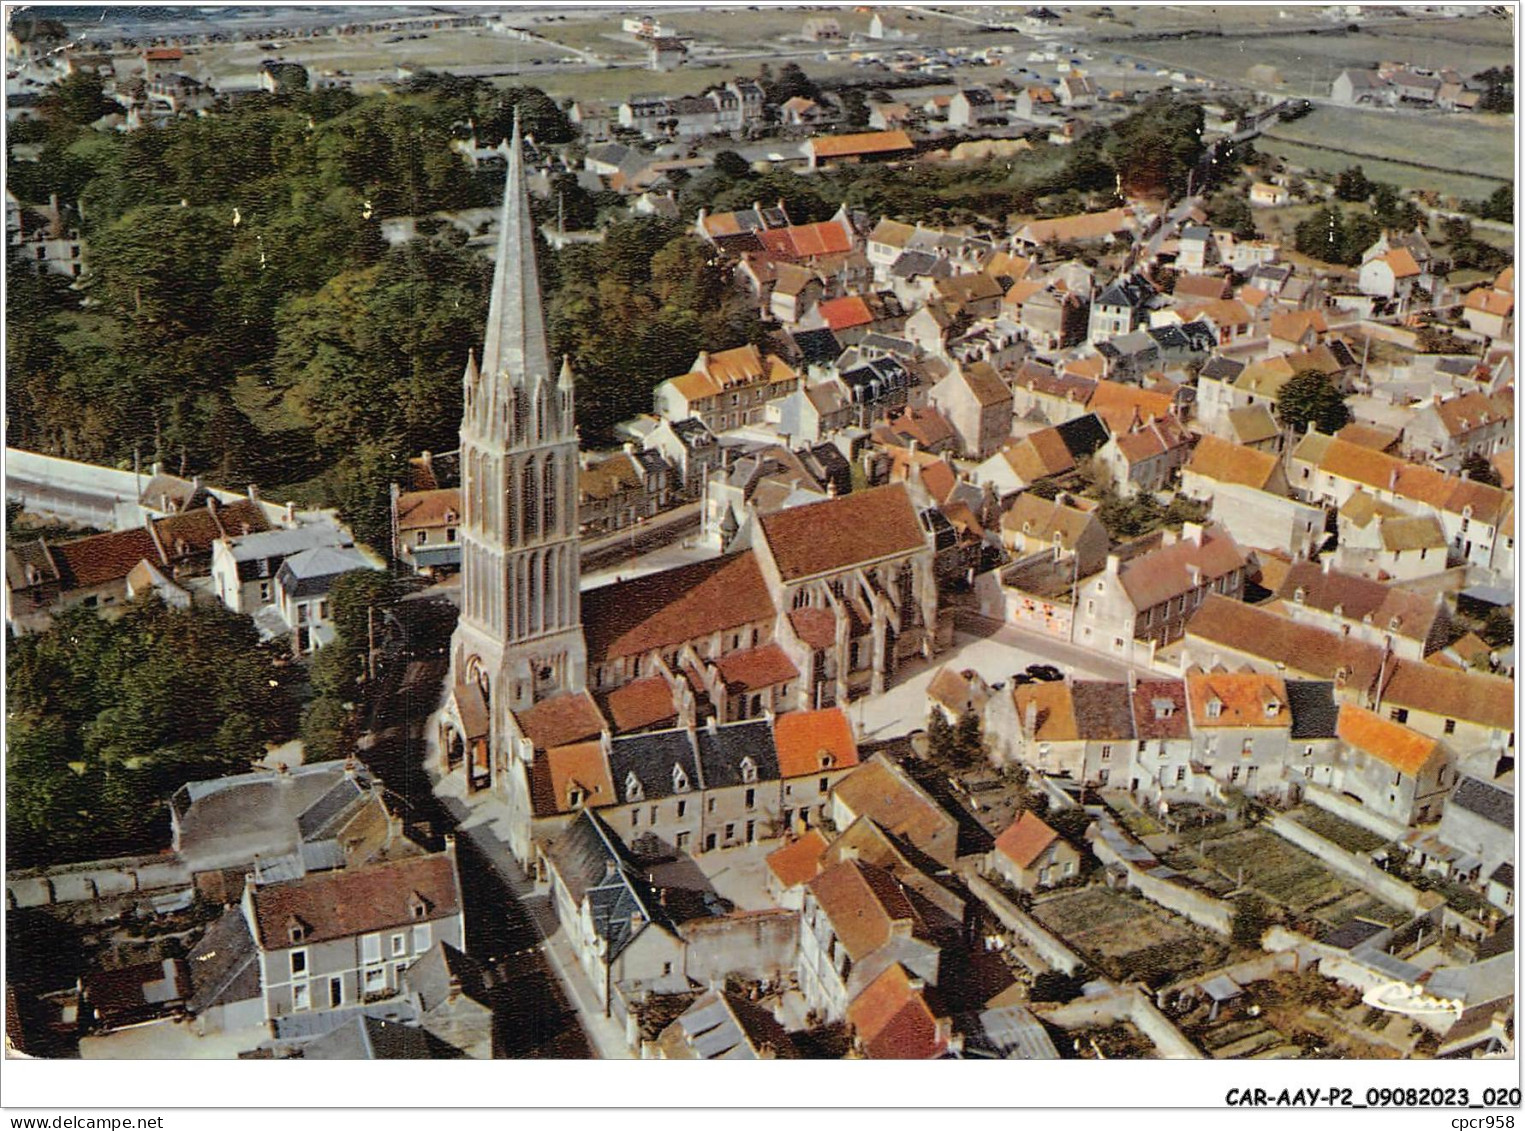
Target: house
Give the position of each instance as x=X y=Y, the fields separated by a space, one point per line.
x=972 y=107
x=425 y=525
x=1133 y=607
x=302 y=585
x=454 y=999
x=1082 y=730
x=896 y=1017
x=1392 y=275
x=1100 y=227
x=1407 y=623
x=689 y=448
x=613 y=919
x=344 y=938
x=1077 y=91
x=888 y=115
x=1478 y=822
x=1241 y=724
x=1035 y=102
x=666 y=53
x=133 y=995
x=822 y=28
x=721 y=1026
x=727 y=389
x=1448 y=431
x=621 y=489
x=1391 y=770
x=801 y=111
x=1145 y=458
x=1351 y=87
x=882 y=145
x=1119 y=307
x=857 y=922
x=1030 y=855
x=883 y=792
x=1263 y=195
x=1249 y=497
x=1034 y=525
x=1490 y=312
x=45 y=238
x=244 y=567
x=977 y=403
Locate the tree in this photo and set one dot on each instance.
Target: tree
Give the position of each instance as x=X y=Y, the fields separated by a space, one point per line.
x=1351 y=184
x=968 y=741
x=1498 y=628
x=1056 y=985
x=325 y=730
x=1477 y=468
x=855 y=106
x=1499 y=205
x=1230 y=210
x=1392 y=212
x=1310 y=397
x=731 y=164
x=76 y=100
x=1251 y=918
x=791 y=82
x=940 y=737
x=1336 y=237
x=1499 y=97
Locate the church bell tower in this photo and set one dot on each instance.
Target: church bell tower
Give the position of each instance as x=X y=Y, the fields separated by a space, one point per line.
x=519 y=639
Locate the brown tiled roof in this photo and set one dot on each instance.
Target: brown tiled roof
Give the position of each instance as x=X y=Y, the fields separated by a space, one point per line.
x=1044 y=518
x=862 y=902
x=1357 y=598
x=581 y=765
x=1372 y=436
x=1148 y=721
x=1103 y=711
x=1025 y=839
x=924 y=424
x=985 y=383
x=856 y=145
x=355 y=901
x=816 y=627
x=893 y=1020
x=1486 y=700
x=845 y=313
x=1401 y=533
x=1291 y=325
x=194 y=531
x=838 y=534
x=1305 y=649
x=1201 y=286
x=756 y=668
x=1401 y=260
x=1039 y=455
x=1462 y=414
x=1118 y=404
x=806 y=241
x=1152 y=439
x=808 y=742
x=881 y=792
x=1246 y=699
x=665 y=609
x=1055 y=717
x=608 y=476
x=1085 y=226
x=798 y=861
x=1154 y=578
x=561 y=720
x=1224 y=462
x=640 y=704
x=419 y=509
x=102 y=558
x=1405 y=750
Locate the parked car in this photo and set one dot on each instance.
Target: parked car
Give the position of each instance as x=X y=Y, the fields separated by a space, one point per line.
x=1045 y=673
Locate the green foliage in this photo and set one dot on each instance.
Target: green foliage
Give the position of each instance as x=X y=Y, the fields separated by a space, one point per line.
x=1336 y=237
x=1126 y=518
x=357 y=601
x=108 y=717
x=968 y=741
x=1477 y=468
x=729 y=163
x=1232 y=211
x=790 y=82
x=855 y=104
x=940 y=736
x=1498 y=628
x=1154 y=148
x=1310 y=397
x=1466 y=251
x=1351 y=184
x=1251 y=918
x=1392 y=212
x=1055 y=985
x=1499 y=97
x=1498 y=206
x=1044 y=488
x=76 y=100
x=326 y=730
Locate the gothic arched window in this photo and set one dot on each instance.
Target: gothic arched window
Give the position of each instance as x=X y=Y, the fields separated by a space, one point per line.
x=549 y=493
x=529 y=482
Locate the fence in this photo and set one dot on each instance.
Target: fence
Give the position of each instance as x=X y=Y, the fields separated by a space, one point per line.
x=96 y=879
x=1125 y=1004
x=1027 y=929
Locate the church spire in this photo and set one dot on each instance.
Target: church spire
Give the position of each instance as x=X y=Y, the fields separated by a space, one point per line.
x=515 y=343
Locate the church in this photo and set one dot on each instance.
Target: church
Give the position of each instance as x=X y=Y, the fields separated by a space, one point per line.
x=822 y=607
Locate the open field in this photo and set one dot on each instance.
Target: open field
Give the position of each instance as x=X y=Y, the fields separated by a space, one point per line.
x=1292 y=878
x=1478 y=143
x=1125 y=934
x=1309 y=63
x=1457 y=185
x=361 y=53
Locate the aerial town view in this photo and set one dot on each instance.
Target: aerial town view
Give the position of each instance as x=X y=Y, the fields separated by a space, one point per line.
x=725 y=533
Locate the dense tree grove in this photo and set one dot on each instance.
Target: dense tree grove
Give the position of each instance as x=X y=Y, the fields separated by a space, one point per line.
x=106 y=718
x=1336 y=236
x=1309 y=397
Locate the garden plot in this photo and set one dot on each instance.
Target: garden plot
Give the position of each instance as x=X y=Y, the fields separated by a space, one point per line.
x=1125 y=935
x=1295 y=879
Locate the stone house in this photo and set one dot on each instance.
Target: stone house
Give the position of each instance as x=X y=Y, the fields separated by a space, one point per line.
x=977 y=403
x=1448 y=430
x=1033 y=525
x=1029 y=855
x=425 y=526
x=344 y=938
x=1248 y=492
x=1395 y=772
x=1241 y=723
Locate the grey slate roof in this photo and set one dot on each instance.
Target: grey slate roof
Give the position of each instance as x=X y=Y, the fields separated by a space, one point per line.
x=817 y=347
x=1103 y=710
x=1196 y=232
x=223 y=965
x=370 y=1038
x=1127 y=290
x=877 y=378
x=311 y=573
x=721 y=752
x=1488 y=801
x=445 y=970
x=1314 y=711
x=1083 y=436
x=693 y=433
x=594 y=865
x=1504 y=874
x=1010 y=1032
x=1224 y=369
x=651 y=758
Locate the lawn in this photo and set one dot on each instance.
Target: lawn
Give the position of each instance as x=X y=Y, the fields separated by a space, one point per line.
x=1479 y=143
x=1125 y=935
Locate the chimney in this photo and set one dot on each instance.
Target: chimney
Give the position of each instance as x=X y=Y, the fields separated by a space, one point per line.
x=1030 y=718
x=1114 y=563
x=253 y=493
x=710 y=724
x=291 y=513
x=1328 y=564
x=1192 y=532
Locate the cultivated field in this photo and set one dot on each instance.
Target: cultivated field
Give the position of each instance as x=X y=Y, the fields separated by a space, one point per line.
x=1293 y=878
x=1457 y=185
x=1125 y=934
x=1478 y=143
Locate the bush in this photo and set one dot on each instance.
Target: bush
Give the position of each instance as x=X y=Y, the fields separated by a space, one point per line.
x=1055 y=985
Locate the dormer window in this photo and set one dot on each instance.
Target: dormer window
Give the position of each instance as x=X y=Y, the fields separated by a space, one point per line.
x=296 y=930
x=1164 y=709
x=633 y=790
x=748 y=770
x=679 y=779
x=576 y=797
x=1339 y=610
x=827 y=760
x=1273 y=708
x=418 y=906
x=1214 y=708
x=1298 y=594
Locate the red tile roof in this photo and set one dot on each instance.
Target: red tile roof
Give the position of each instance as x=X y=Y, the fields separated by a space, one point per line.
x=756 y=668
x=861 y=145
x=417 y=509
x=1025 y=839
x=581 y=766
x=355 y=901
x=1224 y=462
x=816 y=627
x=799 y=860
x=1243 y=699
x=640 y=704
x=102 y=558
x=810 y=742
x=862 y=902
x=1160 y=575
x=665 y=609
x=845 y=313
x=1306 y=650
x=893 y=1020
x=838 y=534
